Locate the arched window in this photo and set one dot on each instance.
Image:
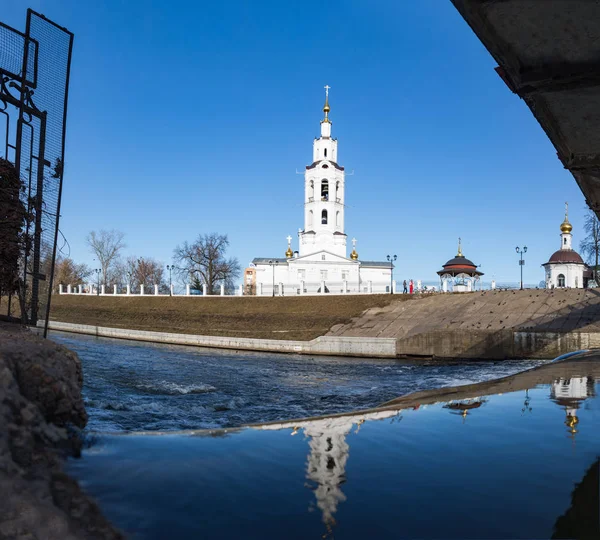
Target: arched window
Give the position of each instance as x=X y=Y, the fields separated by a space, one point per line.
x=324 y=190
x=311 y=193
x=561 y=280
x=325 y=152
x=565 y=241
x=337 y=190
x=337 y=219
x=324 y=217
x=310 y=218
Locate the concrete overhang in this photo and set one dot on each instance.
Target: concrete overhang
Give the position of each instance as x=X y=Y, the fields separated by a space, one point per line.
x=548 y=53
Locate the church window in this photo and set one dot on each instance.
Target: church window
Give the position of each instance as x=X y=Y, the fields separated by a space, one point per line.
x=325 y=152
x=337 y=219
x=325 y=166
x=323 y=275
x=324 y=217
x=565 y=241
x=302 y=274
x=324 y=190
x=561 y=280
x=310 y=218
x=312 y=190
x=322 y=257
x=344 y=275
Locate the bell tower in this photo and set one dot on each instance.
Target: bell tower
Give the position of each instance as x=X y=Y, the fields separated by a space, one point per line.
x=566 y=238
x=324 y=195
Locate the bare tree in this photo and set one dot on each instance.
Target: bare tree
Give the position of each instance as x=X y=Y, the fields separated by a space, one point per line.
x=68 y=272
x=136 y=271
x=106 y=245
x=590 y=245
x=205 y=263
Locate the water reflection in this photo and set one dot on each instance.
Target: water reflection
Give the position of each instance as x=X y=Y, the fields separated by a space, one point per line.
x=328 y=455
x=570 y=394
x=464 y=406
x=582 y=518
x=329 y=450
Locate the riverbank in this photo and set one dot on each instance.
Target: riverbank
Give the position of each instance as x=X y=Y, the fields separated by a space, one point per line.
x=282 y=318
x=40 y=383
x=533 y=323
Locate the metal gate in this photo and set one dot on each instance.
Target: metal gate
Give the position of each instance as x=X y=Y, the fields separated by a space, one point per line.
x=34 y=83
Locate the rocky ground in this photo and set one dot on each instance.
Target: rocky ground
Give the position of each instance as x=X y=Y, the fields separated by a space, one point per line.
x=41 y=410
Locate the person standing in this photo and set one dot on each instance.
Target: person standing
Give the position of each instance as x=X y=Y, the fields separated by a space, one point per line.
x=411 y=286
x=405 y=289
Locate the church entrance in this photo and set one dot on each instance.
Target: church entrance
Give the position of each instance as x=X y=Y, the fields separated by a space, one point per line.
x=561 y=280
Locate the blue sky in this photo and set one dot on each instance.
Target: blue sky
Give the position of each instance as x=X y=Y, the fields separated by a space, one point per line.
x=193 y=117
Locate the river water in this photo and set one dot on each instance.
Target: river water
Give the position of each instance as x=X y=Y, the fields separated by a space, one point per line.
x=135 y=386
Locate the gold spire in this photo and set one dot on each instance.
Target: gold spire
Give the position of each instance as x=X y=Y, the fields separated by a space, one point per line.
x=565 y=226
x=354 y=254
x=289 y=253
x=459 y=254
x=326 y=108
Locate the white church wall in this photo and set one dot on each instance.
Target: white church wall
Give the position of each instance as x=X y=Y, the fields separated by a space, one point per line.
x=573 y=275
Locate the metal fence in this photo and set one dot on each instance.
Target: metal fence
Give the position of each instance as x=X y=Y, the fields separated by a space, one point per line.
x=34 y=82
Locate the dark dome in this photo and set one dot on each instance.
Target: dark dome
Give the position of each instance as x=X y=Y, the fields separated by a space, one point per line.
x=461 y=261
x=460 y=265
x=565 y=256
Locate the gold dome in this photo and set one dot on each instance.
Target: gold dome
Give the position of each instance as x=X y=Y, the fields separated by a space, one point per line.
x=289 y=253
x=354 y=255
x=565 y=226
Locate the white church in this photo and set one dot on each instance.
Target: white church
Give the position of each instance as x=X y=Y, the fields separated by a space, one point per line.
x=565 y=268
x=321 y=264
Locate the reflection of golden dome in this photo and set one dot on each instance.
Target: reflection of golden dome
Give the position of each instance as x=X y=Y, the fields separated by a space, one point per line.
x=565 y=226
x=289 y=253
x=354 y=255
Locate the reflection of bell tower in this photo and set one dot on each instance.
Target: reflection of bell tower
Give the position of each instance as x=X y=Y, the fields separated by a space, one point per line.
x=326 y=465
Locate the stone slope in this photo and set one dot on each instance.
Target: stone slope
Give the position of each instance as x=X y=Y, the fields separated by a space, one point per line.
x=559 y=310
x=40 y=391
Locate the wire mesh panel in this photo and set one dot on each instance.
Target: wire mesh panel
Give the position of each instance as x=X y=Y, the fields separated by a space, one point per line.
x=34 y=72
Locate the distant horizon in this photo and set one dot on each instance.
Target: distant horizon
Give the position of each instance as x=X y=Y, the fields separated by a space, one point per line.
x=439 y=146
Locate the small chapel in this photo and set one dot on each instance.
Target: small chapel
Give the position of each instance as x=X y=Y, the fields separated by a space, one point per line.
x=566 y=268
x=320 y=263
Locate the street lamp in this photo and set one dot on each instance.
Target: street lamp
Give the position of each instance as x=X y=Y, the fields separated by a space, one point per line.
x=391 y=259
x=98 y=272
x=170 y=268
x=520 y=252
x=273 y=263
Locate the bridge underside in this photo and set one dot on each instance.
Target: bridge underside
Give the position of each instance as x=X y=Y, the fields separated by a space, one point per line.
x=548 y=53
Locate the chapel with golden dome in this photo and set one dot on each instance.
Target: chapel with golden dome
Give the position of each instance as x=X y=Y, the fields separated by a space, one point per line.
x=566 y=268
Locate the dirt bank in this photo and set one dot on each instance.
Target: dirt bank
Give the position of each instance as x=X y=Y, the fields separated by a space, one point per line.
x=40 y=387
x=302 y=318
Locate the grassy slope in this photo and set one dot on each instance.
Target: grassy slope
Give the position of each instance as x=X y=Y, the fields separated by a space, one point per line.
x=298 y=317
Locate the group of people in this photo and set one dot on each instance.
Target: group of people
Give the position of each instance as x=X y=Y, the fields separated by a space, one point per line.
x=411 y=287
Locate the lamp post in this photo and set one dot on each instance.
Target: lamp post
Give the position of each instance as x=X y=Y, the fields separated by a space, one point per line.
x=391 y=259
x=273 y=263
x=98 y=272
x=170 y=268
x=520 y=252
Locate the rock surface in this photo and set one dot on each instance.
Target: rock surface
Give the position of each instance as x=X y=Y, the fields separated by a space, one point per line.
x=40 y=405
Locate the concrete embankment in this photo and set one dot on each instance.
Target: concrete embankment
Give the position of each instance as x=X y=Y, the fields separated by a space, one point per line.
x=490 y=324
x=40 y=391
x=324 y=345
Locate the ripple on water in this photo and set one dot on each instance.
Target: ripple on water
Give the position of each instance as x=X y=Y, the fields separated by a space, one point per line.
x=131 y=386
